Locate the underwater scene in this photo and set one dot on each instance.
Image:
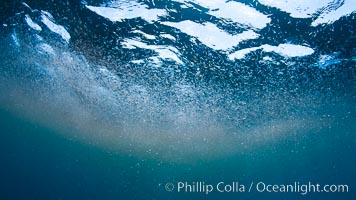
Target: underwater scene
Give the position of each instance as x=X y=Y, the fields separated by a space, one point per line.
x=177 y=99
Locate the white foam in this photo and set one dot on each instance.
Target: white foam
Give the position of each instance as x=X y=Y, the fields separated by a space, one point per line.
x=296 y=8
x=32 y=24
x=168 y=36
x=289 y=50
x=137 y=61
x=147 y=36
x=240 y=54
x=286 y=50
x=48 y=20
x=333 y=15
x=210 y=35
x=232 y=11
x=267 y=58
x=164 y=51
x=128 y=10
x=307 y=9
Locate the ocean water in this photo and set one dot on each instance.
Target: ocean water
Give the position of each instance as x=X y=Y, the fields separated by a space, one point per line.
x=164 y=99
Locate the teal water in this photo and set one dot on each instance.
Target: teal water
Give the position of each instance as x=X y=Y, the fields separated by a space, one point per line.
x=39 y=163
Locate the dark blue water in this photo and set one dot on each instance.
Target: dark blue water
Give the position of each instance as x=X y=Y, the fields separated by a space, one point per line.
x=117 y=99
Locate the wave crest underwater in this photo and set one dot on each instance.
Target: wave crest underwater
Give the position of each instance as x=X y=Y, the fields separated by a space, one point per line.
x=203 y=108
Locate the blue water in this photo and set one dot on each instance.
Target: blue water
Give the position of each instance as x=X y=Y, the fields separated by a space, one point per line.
x=116 y=99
